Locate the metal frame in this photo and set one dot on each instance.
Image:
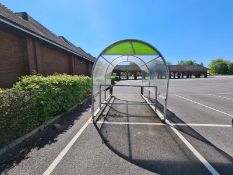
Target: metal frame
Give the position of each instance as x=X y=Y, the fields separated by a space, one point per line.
x=159 y=56
x=102 y=105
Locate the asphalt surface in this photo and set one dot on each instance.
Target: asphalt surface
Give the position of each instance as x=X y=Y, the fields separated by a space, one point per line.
x=115 y=147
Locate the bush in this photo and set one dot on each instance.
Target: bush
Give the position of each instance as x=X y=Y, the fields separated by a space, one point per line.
x=1 y=90
x=114 y=78
x=17 y=114
x=36 y=99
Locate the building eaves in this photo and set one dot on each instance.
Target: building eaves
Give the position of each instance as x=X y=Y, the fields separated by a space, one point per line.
x=22 y=21
x=186 y=68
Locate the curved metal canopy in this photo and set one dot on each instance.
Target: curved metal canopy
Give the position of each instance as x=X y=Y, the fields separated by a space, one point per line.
x=147 y=57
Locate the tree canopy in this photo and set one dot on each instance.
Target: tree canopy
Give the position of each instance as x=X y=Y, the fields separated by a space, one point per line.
x=187 y=62
x=221 y=66
x=230 y=68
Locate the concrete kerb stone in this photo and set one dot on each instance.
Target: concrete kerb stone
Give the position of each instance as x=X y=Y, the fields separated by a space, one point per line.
x=39 y=128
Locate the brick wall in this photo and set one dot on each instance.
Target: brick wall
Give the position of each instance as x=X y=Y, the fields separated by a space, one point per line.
x=21 y=55
x=13 y=62
x=53 y=60
x=81 y=67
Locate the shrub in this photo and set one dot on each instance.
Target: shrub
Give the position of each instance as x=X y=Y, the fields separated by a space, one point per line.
x=17 y=114
x=36 y=99
x=56 y=93
x=114 y=78
x=1 y=90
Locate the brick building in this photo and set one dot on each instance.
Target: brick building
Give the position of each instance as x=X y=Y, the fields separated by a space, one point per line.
x=26 y=46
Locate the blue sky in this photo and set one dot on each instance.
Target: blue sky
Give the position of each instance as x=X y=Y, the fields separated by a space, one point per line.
x=180 y=29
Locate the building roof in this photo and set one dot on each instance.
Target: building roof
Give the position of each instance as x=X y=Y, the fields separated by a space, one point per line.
x=24 y=22
x=183 y=68
x=129 y=68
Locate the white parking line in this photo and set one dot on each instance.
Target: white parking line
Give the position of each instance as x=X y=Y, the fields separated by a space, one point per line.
x=66 y=149
x=230 y=115
x=70 y=144
x=221 y=97
x=215 y=96
x=129 y=123
x=202 y=125
x=194 y=151
x=58 y=159
x=225 y=93
x=162 y=124
x=189 y=146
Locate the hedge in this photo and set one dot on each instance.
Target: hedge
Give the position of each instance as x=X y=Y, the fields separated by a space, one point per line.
x=36 y=99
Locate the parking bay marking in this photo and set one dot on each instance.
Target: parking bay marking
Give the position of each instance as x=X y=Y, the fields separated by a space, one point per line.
x=196 y=153
x=162 y=124
x=204 y=105
x=60 y=156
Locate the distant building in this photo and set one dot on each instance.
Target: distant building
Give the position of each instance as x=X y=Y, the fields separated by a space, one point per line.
x=175 y=71
x=26 y=46
x=132 y=69
x=187 y=71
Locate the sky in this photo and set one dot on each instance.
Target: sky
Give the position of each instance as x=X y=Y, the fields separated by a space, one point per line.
x=200 y=30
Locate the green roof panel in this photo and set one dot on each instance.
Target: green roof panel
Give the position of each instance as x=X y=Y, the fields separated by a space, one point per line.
x=130 y=47
x=141 y=48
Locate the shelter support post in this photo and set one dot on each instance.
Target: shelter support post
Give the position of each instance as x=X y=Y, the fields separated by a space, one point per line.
x=100 y=98
x=155 y=97
x=111 y=90
x=165 y=111
x=149 y=86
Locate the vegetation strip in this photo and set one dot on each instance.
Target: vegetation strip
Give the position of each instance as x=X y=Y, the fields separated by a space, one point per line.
x=35 y=100
x=26 y=136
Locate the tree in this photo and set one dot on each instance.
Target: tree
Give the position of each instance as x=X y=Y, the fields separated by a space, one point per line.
x=218 y=66
x=230 y=68
x=132 y=63
x=187 y=62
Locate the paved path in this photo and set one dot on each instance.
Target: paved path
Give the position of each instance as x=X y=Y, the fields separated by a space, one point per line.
x=142 y=145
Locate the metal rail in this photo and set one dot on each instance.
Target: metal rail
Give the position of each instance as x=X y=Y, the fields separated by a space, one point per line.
x=140 y=103
x=128 y=85
x=110 y=88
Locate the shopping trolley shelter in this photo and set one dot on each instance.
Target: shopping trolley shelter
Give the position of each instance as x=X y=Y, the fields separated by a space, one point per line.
x=118 y=97
x=132 y=119
x=138 y=127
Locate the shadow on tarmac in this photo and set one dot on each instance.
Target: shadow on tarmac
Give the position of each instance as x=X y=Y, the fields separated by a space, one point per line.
x=119 y=138
x=42 y=138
